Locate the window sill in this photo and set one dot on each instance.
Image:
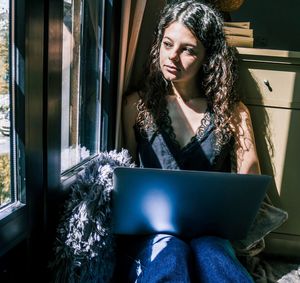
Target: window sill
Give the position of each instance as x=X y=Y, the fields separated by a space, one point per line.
x=13 y=226
x=9 y=210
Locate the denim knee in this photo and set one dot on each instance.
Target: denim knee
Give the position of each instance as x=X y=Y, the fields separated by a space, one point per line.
x=165 y=258
x=172 y=247
x=206 y=244
x=215 y=261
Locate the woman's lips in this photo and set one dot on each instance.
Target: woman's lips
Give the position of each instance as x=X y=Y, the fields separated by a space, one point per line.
x=172 y=69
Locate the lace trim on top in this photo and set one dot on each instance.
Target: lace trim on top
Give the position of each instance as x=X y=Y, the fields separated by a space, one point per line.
x=166 y=125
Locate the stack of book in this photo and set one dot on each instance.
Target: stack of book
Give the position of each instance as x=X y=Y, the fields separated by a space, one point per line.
x=238 y=34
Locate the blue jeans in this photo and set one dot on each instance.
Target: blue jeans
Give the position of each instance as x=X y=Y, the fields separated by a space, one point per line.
x=165 y=258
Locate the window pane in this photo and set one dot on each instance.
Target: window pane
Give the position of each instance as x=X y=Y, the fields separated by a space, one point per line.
x=5 y=171
x=81 y=65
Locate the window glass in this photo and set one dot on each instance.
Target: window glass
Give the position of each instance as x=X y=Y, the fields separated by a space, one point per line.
x=12 y=104
x=5 y=170
x=81 y=81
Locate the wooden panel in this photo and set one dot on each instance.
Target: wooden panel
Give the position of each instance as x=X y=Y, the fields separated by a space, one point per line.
x=270 y=84
x=278 y=140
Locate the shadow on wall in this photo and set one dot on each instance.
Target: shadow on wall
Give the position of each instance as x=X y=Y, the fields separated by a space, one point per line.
x=290 y=180
x=276 y=24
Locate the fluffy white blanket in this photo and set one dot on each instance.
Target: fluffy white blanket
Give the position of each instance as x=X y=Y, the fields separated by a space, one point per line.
x=84 y=245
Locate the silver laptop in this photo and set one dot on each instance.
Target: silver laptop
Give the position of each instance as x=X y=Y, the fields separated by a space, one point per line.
x=185 y=203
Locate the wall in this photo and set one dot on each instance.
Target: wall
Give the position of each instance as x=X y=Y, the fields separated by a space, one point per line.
x=276 y=23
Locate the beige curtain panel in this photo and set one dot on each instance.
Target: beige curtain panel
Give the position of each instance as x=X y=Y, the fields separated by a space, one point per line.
x=132 y=16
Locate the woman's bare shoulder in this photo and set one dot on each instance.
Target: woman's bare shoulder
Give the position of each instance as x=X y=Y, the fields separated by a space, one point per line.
x=131 y=99
x=130 y=111
x=240 y=115
x=241 y=110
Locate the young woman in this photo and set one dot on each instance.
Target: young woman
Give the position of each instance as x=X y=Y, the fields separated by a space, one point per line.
x=188 y=116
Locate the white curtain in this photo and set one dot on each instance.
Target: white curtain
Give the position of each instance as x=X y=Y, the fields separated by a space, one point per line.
x=132 y=16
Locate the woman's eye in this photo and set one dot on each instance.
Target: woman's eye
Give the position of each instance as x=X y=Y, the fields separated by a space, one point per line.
x=167 y=44
x=189 y=51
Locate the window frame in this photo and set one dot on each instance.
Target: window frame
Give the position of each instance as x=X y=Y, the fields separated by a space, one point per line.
x=34 y=223
x=90 y=59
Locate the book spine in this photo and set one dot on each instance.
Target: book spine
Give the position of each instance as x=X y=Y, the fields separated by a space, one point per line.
x=239 y=41
x=238 y=31
x=245 y=25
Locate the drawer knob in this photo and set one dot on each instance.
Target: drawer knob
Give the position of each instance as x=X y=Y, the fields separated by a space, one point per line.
x=267 y=84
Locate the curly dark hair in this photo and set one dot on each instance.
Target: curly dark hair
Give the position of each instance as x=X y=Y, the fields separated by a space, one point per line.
x=217 y=75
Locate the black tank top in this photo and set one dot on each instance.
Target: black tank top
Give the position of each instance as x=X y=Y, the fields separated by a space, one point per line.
x=158 y=148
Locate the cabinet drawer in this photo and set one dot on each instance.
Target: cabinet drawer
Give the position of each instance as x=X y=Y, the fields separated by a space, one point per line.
x=270 y=84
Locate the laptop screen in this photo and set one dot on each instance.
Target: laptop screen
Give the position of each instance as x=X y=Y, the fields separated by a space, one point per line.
x=186 y=203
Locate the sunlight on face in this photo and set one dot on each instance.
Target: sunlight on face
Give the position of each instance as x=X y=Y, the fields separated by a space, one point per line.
x=181 y=54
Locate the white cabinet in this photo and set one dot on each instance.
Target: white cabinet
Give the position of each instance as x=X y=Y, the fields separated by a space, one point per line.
x=270 y=86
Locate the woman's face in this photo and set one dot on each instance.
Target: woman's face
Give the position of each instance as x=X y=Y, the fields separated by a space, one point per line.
x=181 y=54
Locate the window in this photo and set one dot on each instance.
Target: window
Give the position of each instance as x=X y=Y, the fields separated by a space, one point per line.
x=11 y=142
x=81 y=80
x=57 y=105
x=12 y=104
x=5 y=182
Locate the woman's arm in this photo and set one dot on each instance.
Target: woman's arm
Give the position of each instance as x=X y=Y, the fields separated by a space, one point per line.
x=245 y=148
x=129 y=114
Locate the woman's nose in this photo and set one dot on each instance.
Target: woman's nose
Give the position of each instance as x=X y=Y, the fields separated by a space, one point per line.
x=173 y=55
